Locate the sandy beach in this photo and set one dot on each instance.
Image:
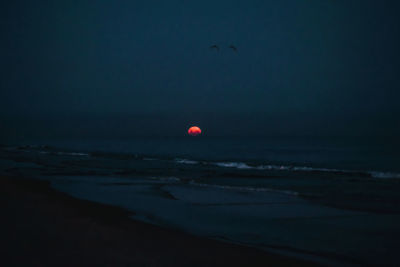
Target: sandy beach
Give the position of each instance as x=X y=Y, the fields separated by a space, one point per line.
x=43 y=227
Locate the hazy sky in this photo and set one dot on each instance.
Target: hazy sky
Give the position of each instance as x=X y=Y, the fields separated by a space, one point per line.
x=302 y=67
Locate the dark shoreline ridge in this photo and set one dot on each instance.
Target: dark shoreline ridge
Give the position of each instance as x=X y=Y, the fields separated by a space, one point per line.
x=44 y=227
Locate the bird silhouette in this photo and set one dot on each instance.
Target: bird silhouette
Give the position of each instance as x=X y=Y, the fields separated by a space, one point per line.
x=216 y=47
x=233 y=48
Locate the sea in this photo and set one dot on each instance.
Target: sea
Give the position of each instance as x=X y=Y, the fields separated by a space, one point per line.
x=332 y=200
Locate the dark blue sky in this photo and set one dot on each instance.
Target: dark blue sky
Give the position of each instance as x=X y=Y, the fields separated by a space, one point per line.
x=303 y=67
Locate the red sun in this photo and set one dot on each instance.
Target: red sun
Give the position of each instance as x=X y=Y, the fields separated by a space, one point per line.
x=194 y=131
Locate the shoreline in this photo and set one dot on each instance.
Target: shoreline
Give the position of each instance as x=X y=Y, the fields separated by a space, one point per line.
x=45 y=227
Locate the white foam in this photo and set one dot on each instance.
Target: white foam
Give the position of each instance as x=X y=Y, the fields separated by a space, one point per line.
x=238 y=165
x=242 y=165
x=245 y=188
x=385 y=175
x=59 y=153
x=72 y=154
x=186 y=161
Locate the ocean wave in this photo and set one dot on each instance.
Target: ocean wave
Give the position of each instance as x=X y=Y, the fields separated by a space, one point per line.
x=149 y=159
x=238 y=165
x=244 y=188
x=385 y=175
x=186 y=161
x=48 y=150
x=73 y=154
x=166 y=179
x=242 y=165
x=65 y=153
x=42 y=149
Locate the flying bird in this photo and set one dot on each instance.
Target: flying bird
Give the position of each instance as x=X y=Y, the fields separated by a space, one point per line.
x=214 y=47
x=233 y=48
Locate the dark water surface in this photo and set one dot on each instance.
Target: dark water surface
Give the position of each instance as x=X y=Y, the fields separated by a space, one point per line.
x=334 y=200
x=374 y=154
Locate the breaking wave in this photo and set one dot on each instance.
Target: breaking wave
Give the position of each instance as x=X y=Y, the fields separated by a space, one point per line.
x=238 y=165
x=186 y=161
x=246 y=166
x=245 y=188
x=222 y=164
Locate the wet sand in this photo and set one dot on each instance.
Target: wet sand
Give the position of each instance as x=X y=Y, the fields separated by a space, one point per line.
x=44 y=227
